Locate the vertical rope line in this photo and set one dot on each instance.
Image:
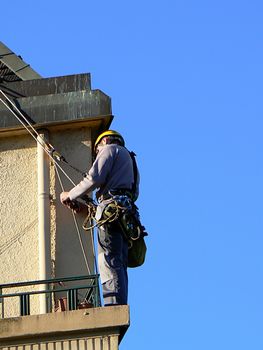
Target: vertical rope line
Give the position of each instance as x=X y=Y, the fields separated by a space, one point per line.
x=76 y=226
x=36 y=136
x=93 y=249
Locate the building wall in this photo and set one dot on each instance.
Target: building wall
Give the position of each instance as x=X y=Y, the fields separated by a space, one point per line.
x=18 y=221
x=67 y=255
x=19 y=256
x=92 y=343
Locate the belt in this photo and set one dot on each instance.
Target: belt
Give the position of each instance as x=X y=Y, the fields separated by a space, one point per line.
x=118 y=192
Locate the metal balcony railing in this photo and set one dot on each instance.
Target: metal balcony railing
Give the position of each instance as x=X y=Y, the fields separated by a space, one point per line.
x=53 y=288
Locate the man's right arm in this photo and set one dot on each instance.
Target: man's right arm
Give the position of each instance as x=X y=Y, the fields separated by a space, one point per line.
x=96 y=176
x=85 y=186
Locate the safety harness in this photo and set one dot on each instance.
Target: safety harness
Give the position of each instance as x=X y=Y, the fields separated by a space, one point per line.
x=118 y=207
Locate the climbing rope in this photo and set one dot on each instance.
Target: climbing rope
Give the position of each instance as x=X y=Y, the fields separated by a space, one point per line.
x=45 y=145
x=76 y=225
x=112 y=212
x=54 y=156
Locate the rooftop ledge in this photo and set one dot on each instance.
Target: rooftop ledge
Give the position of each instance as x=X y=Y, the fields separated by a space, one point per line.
x=53 y=103
x=101 y=325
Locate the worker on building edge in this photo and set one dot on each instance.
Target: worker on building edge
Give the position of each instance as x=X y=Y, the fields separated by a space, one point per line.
x=112 y=172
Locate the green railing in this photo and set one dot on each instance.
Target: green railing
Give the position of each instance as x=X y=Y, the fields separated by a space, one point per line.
x=53 y=288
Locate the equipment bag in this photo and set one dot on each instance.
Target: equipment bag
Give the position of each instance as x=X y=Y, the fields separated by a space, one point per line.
x=137 y=252
x=134 y=232
x=122 y=209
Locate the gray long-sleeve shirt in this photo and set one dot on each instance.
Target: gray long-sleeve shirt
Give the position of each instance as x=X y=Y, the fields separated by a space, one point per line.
x=112 y=169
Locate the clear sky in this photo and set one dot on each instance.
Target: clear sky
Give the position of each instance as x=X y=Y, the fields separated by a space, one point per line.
x=186 y=82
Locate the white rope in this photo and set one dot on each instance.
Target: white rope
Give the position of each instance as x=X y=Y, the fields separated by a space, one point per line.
x=37 y=136
x=93 y=250
x=79 y=235
x=76 y=226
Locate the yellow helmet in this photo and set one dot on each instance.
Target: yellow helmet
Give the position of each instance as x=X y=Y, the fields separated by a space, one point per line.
x=109 y=133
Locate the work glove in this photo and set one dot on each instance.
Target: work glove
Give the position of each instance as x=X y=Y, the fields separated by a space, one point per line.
x=73 y=205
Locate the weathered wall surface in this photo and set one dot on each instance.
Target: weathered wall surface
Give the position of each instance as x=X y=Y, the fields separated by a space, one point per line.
x=18 y=204
x=19 y=257
x=18 y=215
x=75 y=145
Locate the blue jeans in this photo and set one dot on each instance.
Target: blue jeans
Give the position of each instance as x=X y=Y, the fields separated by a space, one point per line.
x=112 y=259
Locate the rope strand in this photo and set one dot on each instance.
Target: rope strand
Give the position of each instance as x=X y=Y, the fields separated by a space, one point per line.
x=76 y=226
x=37 y=137
x=44 y=145
x=51 y=148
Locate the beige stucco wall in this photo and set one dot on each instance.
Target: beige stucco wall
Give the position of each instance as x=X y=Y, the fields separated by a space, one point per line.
x=19 y=257
x=75 y=145
x=18 y=203
x=18 y=220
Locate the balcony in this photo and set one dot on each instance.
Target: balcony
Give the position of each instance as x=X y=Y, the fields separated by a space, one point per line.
x=74 y=319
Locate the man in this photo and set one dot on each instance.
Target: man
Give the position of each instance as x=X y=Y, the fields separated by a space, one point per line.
x=112 y=172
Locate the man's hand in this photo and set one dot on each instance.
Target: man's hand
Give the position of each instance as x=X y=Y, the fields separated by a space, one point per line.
x=73 y=205
x=64 y=198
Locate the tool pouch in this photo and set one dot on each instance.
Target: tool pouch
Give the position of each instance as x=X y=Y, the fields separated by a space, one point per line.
x=134 y=233
x=123 y=210
x=137 y=252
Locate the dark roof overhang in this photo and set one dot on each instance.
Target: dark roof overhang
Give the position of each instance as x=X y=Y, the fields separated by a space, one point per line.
x=53 y=103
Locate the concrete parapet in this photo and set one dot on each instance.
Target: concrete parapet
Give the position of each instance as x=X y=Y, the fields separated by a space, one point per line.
x=94 y=329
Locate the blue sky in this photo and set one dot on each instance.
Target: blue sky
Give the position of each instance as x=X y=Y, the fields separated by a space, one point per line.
x=185 y=78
